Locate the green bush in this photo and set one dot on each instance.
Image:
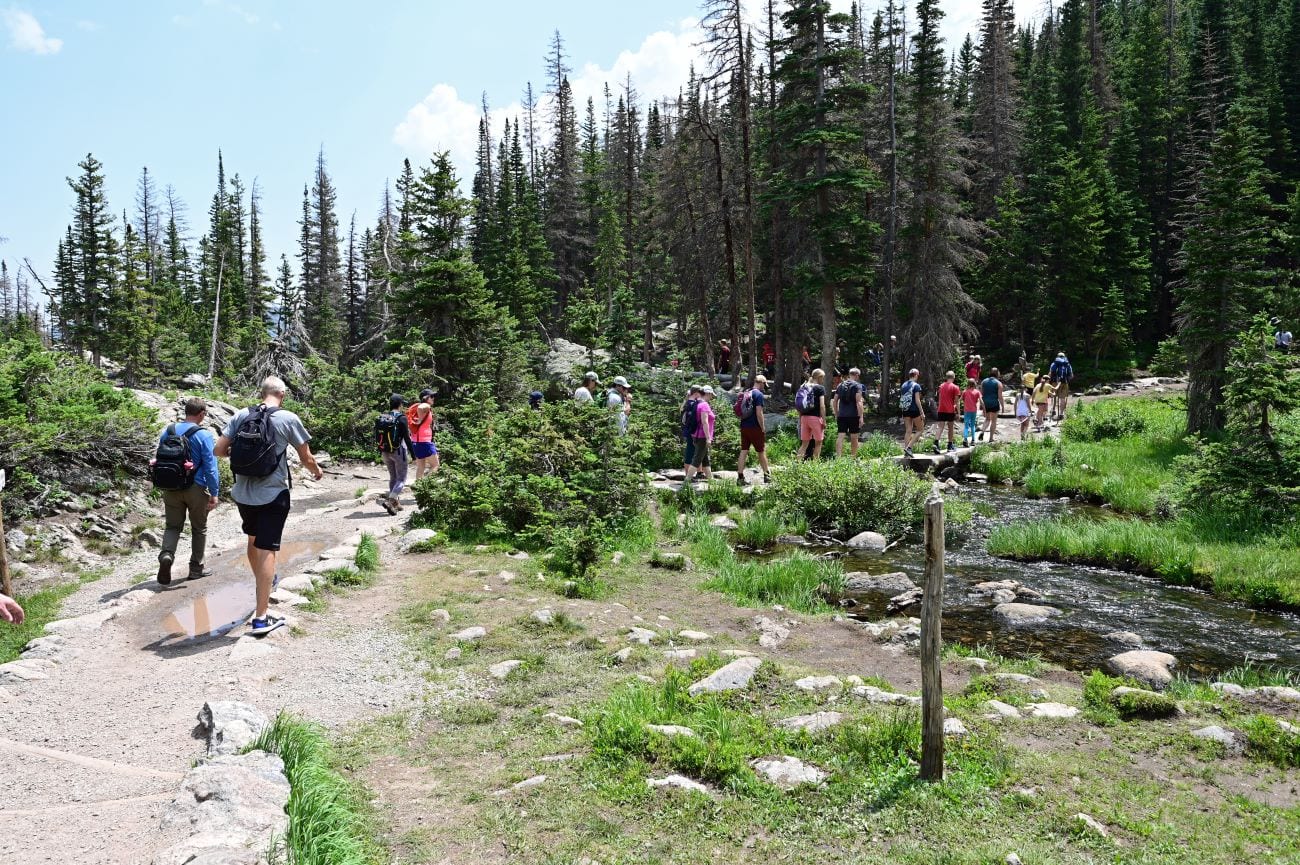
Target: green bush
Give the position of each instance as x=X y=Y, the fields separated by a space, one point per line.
x=845 y=496
x=1170 y=358
x=758 y=530
x=64 y=429
x=1266 y=740
x=519 y=475
x=1107 y=419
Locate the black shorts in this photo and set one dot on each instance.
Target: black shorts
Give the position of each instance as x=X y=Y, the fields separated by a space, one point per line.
x=848 y=425
x=947 y=416
x=265 y=523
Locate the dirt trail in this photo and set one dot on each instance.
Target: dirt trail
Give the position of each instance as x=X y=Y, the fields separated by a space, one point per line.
x=92 y=754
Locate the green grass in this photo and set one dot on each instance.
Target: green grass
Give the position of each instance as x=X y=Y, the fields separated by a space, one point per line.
x=330 y=822
x=758 y=530
x=1103 y=706
x=1266 y=740
x=1250 y=675
x=40 y=608
x=367 y=557
x=1264 y=574
x=799 y=581
x=717 y=498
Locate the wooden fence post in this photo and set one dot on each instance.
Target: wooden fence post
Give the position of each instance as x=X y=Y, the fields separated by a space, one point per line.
x=932 y=644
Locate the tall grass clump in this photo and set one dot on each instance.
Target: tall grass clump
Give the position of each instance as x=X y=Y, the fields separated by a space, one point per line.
x=799 y=581
x=329 y=820
x=367 y=557
x=758 y=530
x=845 y=497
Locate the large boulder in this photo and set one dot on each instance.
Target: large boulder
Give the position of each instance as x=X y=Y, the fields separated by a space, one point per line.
x=564 y=357
x=1153 y=669
x=230 y=808
x=872 y=541
x=1025 y=614
x=888 y=585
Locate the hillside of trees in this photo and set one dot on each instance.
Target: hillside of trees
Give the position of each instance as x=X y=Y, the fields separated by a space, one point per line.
x=1119 y=173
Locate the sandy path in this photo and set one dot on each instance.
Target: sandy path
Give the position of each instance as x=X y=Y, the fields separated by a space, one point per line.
x=93 y=754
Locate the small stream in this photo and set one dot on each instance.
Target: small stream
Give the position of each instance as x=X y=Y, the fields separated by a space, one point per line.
x=1208 y=635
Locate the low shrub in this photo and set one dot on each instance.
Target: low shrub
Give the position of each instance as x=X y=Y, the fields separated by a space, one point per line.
x=845 y=497
x=1267 y=740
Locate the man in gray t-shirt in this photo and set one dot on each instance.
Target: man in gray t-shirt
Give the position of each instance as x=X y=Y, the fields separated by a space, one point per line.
x=264 y=501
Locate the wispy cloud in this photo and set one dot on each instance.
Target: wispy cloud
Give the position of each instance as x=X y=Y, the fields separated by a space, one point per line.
x=87 y=25
x=26 y=33
x=250 y=18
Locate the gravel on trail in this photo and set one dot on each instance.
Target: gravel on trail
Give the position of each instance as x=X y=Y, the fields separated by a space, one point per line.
x=93 y=754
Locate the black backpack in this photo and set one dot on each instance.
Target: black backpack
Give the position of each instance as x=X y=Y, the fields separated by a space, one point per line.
x=172 y=468
x=690 y=418
x=388 y=436
x=253 y=452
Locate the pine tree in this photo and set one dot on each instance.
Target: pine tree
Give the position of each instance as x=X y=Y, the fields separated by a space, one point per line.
x=995 y=128
x=91 y=262
x=934 y=241
x=1225 y=257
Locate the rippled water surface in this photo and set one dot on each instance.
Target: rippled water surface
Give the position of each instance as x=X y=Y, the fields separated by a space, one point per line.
x=1208 y=635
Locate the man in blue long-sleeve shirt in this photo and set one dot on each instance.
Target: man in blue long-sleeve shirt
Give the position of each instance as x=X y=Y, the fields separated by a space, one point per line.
x=195 y=500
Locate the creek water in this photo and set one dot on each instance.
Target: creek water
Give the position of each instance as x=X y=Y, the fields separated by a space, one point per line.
x=1207 y=634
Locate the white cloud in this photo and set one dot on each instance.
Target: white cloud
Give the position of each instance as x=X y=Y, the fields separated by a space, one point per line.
x=26 y=33
x=250 y=18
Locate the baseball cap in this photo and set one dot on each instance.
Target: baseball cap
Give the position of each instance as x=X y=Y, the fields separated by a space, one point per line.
x=426 y=393
x=707 y=390
x=591 y=376
x=695 y=388
x=621 y=382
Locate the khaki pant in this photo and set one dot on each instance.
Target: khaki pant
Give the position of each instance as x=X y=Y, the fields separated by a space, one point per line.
x=176 y=505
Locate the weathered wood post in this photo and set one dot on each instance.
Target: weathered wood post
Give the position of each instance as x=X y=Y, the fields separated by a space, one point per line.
x=5 y=585
x=932 y=643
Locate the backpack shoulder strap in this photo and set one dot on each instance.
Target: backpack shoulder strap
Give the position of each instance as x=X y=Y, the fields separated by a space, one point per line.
x=189 y=433
x=171 y=430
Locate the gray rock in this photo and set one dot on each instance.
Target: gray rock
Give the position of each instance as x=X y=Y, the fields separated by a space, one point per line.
x=470 y=635
x=518 y=555
x=1154 y=669
x=286 y=598
x=1087 y=823
x=813 y=723
x=680 y=654
x=542 y=617
x=818 y=683
x=694 y=636
x=1013 y=859
x=617 y=558
x=566 y=361
x=905 y=601
x=1232 y=744
x=192 y=380
x=770 y=633
x=1124 y=638
x=149 y=538
x=453 y=654
x=873 y=541
x=562 y=720
x=954 y=727
x=680 y=782
x=25 y=670
x=1277 y=693
x=439 y=616
x=504 y=668
x=415 y=536
x=1054 y=711
x=724 y=522
x=788 y=772
x=1004 y=596
x=872 y=694
x=1229 y=689
x=1016 y=678
x=298 y=583
x=231 y=726
x=733 y=677
x=52 y=648
x=526 y=784
x=1004 y=710
x=893 y=584
x=1025 y=614
x=671 y=730
x=621 y=656
x=230 y=805
x=642 y=636
x=16 y=540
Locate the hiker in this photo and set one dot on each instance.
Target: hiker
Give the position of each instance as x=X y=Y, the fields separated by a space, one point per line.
x=848 y=408
x=393 y=437
x=769 y=359
x=257 y=440
x=423 y=422
x=876 y=354
x=991 y=396
x=586 y=392
x=970 y=404
x=11 y=611
x=535 y=400
x=909 y=400
x=810 y=401
x=724 y=357
x=705 y=424
x=1043 y=393
x=946 y=410
x=619 y=400
x=185 y=469
x=1028 y=379
x=1061 y=374
x=1282 y=341
x=753 y=429
x=973 y=367
x=1022 y=413
x=690 y=421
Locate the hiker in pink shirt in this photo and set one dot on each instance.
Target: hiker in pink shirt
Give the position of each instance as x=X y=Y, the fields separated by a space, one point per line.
x=703 y=437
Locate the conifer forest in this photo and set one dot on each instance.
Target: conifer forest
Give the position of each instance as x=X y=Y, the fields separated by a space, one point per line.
x=1115 y=179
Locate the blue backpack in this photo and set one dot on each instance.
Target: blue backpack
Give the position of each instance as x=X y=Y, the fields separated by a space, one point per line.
x=690 y=418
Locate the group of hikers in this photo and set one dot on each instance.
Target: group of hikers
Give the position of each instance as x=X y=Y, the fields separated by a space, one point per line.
x=257 y=441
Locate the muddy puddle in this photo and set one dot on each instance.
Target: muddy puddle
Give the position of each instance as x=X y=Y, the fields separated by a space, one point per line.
x=213 y=607
x=1208 y=635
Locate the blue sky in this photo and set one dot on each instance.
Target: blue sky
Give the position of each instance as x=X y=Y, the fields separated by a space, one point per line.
x=269 y=82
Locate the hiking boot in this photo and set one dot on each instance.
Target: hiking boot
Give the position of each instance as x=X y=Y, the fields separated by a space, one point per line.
x=740 y=481
x=907 y=452
x=767 y=479
x=937 y=449
x=952 y=448
x=165 y=560
x=260 y=627
x=198 y=572
x=387 y=504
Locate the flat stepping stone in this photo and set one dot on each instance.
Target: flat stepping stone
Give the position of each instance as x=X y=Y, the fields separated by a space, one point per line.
x=1025 y=614
x=470 y=635
x=813 y=723
x=298 y=583
x=680 y=782
x=818 y=683
x=1003 y=710
x=732 y=677
x=1018 y=678
x=346 y=551
x=563 y=720
x=286 y=598
x=680 y=654
x=694 y=636
x=671 y=730
x=504 y=668
x=642 y=636
x=324 y=566
x=1055 y=711
x=788 y=772
x=250 y=648
x=872 y=694
x=415 y=536
x=25 y=670
x=86 y=624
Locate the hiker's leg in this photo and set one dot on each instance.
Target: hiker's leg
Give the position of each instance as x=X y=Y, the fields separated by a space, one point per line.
x=197 y=506
x=175 y=508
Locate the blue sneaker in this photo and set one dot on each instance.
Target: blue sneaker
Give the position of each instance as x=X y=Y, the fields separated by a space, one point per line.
x=260 y=627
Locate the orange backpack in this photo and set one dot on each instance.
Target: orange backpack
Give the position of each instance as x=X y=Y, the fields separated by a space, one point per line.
x=413 y=417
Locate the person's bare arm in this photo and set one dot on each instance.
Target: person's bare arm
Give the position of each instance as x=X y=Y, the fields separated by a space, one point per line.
x=222 y=447
x=10 y=611
x=309 y=461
